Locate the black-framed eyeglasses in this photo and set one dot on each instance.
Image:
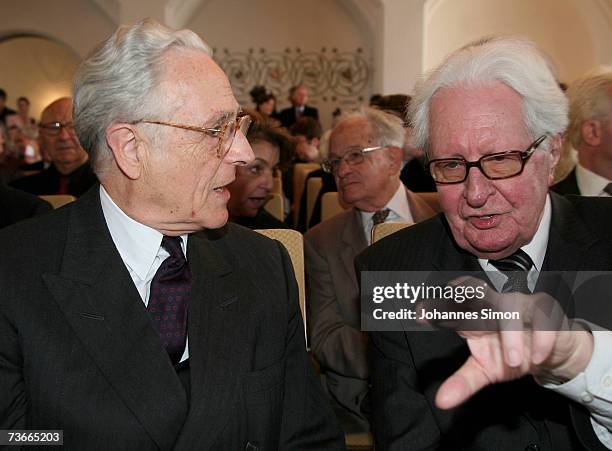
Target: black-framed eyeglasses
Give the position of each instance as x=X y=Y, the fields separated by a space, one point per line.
x=226 y=134
x=54 y=128
x=352 y=157
x=495 y=166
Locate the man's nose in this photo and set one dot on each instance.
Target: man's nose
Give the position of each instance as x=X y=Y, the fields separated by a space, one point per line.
x=240 y=152
x=477 y=188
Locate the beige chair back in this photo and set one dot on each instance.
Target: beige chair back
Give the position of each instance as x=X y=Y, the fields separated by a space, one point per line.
x=379 y=231
x=359 y=441
x=277 y=185
x=294 y=243
x=300 y=171
x=58 y=200
x=275 y=206
x=331 y=205
x=313 y=187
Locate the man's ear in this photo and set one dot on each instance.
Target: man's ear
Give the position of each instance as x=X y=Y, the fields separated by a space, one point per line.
x=123 y=141
x=396 y=157
x=590 y=132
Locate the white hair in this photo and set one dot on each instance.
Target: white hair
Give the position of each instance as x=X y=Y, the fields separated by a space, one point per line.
x=589 y=98
x=387 y=128
x=515 y=62
x=118 y=79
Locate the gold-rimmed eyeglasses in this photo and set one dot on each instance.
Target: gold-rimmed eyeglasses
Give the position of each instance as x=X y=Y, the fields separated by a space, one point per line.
x=226 y=133
x=495 y=166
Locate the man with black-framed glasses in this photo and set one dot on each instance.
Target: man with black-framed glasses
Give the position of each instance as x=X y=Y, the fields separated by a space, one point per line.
x=69 y=170
x=136 y=318
x=491 y=119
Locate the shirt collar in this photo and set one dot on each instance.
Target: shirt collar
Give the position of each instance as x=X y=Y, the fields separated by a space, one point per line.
x=536 y=248
x=137 y=243
x=589 y=183
x=398 y=204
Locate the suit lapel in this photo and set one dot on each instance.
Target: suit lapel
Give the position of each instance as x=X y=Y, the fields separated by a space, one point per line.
x=217 y=342
x=353 y=240
x=418 y=207
x=96 y=294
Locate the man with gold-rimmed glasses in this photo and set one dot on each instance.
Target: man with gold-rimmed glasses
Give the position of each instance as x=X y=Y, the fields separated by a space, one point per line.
x=135 y=318
x=491 y=119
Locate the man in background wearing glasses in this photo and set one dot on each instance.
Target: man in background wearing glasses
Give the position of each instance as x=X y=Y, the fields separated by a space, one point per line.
x=491 y=119
x=365 y=157
x=69 y=171
x=122 y=325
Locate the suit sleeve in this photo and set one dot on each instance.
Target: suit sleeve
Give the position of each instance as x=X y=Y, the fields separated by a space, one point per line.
x=12 y=390
x=402 y=417
x=335 y=344
x=308 y=421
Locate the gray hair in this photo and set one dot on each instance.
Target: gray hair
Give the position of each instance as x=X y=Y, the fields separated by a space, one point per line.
x=589 y=99
x=387 y=128
x=117 y=82
x=515 y=62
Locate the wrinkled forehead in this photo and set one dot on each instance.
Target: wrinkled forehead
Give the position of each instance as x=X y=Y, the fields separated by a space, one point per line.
x=195 y=88
x=485 y=117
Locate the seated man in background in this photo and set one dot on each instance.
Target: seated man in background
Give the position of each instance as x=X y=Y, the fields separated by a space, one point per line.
x=365 y=157
x=590 y=133
x=123 y=326
x=254 y=182
x=298 y=96
x=70 y=171
x=491 y=119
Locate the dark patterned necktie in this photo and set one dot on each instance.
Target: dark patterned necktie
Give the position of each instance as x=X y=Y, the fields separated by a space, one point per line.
x=515 y=267
x=169 y=297
x=608 y=189
x=380 y=216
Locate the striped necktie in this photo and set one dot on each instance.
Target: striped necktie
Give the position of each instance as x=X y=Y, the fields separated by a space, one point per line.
x=515 y=267
x=380 y=216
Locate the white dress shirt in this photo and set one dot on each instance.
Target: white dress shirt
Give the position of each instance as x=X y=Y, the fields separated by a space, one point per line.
x=139 y=247
x=399 y=211
x=593 y=387
x=589 y=183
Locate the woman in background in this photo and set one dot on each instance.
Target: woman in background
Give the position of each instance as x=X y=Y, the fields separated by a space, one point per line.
x=254 y=182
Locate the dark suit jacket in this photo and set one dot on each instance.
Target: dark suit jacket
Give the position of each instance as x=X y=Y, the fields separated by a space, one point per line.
x=78 y=351
x=408 y=367
x=48 y=181
x=287 y=116
x=333 y=302
x=15 y=206
x=568 y=185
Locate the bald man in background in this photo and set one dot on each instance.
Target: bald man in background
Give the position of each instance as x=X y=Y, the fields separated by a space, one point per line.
x=70 y=171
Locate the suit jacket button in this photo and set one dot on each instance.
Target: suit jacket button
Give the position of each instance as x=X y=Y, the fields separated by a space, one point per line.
x=532 y=447
x=251 y=447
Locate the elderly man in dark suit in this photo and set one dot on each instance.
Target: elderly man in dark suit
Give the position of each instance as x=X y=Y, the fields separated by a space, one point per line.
x=131 y=328
x=491 y=118
x=590 y=133
x=365 y=158
x=298 y=96
x=15 y=206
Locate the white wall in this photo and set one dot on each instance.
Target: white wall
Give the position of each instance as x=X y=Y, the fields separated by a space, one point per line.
x=43 y=71
x=274 y=30
x=79 y=24
x=577 y=34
